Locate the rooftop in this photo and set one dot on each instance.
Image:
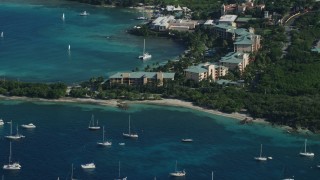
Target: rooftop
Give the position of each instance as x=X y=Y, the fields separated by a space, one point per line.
x=233 y=57
x=196 y=69
x=228 y=18
x=136 y=75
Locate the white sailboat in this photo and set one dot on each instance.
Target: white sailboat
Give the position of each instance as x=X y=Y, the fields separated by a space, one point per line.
x=305 y=153
x=93 y=126
x=16 y=136
x=84 y=13
x=145 y=55
x=260 y=158
x=129 y=134
x=88 y=166
x=119 y=177
x=177 y=173
x=103 y=142
x=187 y=140
x=28 y=126
x=10 y=165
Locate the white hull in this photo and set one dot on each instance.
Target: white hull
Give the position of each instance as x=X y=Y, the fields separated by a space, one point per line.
x=178 y=174
x=88 y=166
x=104 y=143
x=28 y=126
x=145 y=56
x=84 y=13
x=130 y=135
x=186 y=140
x=307 y=154
x=94 y=128
x=260 y=158
x=14 y=166
x=125 y=178
x=15 y=137
x=1 y=122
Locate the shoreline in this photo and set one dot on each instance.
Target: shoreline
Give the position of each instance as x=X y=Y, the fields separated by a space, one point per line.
x=163 y=102
x=114 y=103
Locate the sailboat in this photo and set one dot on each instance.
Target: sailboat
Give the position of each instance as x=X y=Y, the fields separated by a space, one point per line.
x=120 y=178
x=305 y=153
x=10 y=165
x=260 y=158
x=72 y=173
x=145 y=55
x=88 y=166
x=129 y=134
x=93 y=127
x=16 y=136
x=104 y=143
x=177 y=173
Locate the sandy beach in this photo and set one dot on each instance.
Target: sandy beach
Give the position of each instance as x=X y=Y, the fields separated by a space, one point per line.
x=114 y=103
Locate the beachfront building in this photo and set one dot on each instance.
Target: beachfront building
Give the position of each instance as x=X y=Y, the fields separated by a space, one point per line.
x=140 y=78
x=204 y=71
x=182 y=24
x=235 y=60
x=161 y=23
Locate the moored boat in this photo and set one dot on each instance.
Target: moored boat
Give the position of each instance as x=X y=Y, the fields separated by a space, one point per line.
x=28 y=126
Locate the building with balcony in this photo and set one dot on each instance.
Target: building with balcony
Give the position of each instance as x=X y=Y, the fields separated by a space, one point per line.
x=140 y=78
x=235 y=60
x=205 y=71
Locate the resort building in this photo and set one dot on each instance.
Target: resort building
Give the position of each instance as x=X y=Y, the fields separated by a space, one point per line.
x=235 y=60
x=240 y=8
x=228 y=20
x=247 y=43
x=182 y=24
x=161 y=23
x=205 y=71
x=140 y=78
x=224 y=31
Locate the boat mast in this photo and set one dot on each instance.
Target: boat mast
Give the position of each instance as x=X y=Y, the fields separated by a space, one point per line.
x=129 y=125
x=10 y=154
x=71 y=171
x=212 y=175
x=176 y=166
x=103 y=134
x=260 y=150
x=119 y=169
x=11 y=128
x=144 y=46
x=305 y=145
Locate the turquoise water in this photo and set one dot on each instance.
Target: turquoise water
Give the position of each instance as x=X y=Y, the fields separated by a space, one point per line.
x=220 y=144
x=35 y=43
x=34 y=48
